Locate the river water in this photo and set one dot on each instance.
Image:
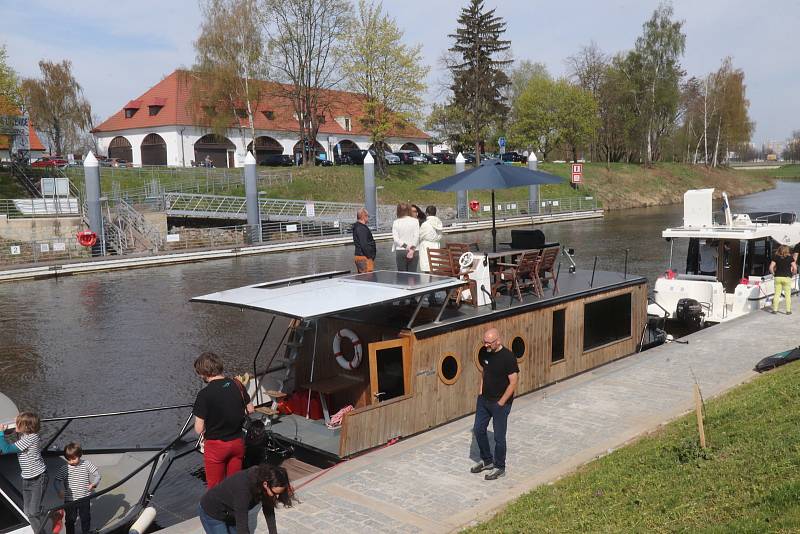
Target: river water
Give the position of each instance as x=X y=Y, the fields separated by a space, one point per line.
x=127 y=339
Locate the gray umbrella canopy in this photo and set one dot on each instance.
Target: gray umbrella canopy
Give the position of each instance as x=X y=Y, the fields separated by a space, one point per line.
x=493 y=174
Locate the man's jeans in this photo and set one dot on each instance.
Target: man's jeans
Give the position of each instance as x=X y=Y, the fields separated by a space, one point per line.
x=32 y=495
x=489 y=410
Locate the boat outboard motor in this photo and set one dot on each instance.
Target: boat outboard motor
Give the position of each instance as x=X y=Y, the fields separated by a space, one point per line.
x=690 y=312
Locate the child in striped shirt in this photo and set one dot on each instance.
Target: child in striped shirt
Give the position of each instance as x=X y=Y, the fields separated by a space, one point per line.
x=31 y=464
x=74 y=481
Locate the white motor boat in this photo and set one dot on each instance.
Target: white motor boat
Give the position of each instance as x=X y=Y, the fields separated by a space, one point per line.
x=727 y=264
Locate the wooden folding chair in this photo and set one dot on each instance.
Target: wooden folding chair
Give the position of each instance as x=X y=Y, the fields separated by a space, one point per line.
x=516 y=276
x=456 y=251
x=547 y=267
x=441 y=264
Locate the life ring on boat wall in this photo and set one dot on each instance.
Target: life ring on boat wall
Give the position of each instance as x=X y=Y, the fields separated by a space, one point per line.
x=87 y=238
x=337 y=349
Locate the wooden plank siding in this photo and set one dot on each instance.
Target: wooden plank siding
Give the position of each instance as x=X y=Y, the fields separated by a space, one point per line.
x=432 y=402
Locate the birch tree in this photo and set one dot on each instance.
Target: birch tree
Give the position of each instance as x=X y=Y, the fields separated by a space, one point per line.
x=387 y=73
x=229 y=67
x=305 y=39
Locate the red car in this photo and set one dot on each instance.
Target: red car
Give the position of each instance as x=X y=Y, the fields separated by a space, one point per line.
x=50 y=161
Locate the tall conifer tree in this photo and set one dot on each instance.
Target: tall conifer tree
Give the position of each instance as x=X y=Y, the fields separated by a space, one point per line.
x=479 y=77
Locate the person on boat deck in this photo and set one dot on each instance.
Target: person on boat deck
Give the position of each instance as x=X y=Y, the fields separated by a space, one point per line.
x=405 y=239
x=364 y=242
x=31 y=464
x=74 y=481
x=430 y=236
x=219 y=411
x=783 y=266
x=708 y=258
x=499 y=377
x=224 y=509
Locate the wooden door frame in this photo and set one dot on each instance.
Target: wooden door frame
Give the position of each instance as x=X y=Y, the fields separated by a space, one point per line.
x=374 y=347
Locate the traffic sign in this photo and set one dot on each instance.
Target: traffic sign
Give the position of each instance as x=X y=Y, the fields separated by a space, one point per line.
x=577 y=173
x=501 y=142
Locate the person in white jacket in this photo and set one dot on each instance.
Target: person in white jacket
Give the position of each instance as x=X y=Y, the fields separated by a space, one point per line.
x=430 y=236
x=405 y=239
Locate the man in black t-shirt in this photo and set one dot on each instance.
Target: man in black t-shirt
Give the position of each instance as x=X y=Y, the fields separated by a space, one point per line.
x=500 y=374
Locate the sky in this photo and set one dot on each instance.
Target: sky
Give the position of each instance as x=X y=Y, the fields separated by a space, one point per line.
x=121 y=49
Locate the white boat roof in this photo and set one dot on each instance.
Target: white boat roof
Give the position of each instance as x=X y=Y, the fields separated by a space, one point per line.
x=787 y=234
x=308 y=297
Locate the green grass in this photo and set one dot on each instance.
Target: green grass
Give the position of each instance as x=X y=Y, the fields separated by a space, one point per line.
x=748 y=480
x=10 y=187
x=782 y=172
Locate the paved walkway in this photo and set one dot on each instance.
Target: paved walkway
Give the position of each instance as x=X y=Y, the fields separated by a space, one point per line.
x=423 y=484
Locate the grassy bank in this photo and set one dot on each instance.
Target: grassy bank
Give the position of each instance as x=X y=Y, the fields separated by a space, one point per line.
x=784 y=172
x=747 y=481
x=619 y=186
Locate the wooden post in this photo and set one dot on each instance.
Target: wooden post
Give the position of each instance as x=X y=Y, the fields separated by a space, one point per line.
x=698 y=405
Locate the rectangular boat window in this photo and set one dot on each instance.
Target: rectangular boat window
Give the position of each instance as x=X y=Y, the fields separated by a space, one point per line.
x=10 y=519
x=389 y=369
x=606 y=321
x=557 y=339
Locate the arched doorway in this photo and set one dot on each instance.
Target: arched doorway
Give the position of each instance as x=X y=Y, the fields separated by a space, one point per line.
x=119 y=147
x=343 y=147
x=220 y=149
x=410 y=146
x=154 y=150
x=265 y=146
x=298 y=149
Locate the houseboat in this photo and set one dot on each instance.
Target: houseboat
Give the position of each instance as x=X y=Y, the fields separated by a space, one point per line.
x=382 y=343
x=727 y=263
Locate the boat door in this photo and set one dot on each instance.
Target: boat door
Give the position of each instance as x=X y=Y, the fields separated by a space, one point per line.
x=389 y=369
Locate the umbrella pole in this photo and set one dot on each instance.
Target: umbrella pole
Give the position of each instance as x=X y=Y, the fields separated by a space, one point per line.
x=494 y=226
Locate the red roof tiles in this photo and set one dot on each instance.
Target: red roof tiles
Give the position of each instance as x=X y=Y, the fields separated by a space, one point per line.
x=173 y=92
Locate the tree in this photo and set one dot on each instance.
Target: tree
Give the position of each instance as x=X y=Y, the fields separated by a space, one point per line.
x=792 y=150
x=479 y=78
x=229 y=66
x=305 y=53
x=10 y=100
x=653 y=68
x=387 y=73
x=56 y=104
x=587 y=68
x=446 y=122
x=578 y=117
x=618 y=129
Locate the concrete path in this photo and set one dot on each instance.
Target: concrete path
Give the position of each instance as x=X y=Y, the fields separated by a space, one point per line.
x=423 y=484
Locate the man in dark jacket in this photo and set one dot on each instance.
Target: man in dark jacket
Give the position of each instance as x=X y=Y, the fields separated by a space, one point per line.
x=364 y=242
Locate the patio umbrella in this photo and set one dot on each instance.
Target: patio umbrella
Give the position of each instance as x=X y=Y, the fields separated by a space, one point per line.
x=493 y=174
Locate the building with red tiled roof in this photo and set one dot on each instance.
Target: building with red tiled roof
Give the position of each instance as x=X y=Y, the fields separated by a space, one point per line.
x=35 y=146
x=161 y=128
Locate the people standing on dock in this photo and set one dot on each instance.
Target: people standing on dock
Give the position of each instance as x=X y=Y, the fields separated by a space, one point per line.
x=405 y=239
x=219 y=412
x=418 y=214
x=74 y=481
x=31 y=464
x=499 y=377
x=782 y=267
x=224 y=509
x=366 y=250
x=430 y=236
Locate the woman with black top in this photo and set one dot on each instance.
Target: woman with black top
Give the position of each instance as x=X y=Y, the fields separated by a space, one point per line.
x=783 y=267
x=224 y=509
x=219 y=411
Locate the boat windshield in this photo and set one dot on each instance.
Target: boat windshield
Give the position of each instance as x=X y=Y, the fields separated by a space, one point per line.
x=729 y=260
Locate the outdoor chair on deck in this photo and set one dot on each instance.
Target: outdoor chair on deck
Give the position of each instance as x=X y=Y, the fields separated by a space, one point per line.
x=547 y=267
x=441 y=264
x=456 y=250
x=516 y=276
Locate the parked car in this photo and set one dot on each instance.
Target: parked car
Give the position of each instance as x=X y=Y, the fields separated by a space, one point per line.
x=432 y=158
x=445 y=157
x=469 y=157
x=318 y=160
x=354 y=157
x=50 y=161
x=513 y=157
x=277 y=160
x=391 y=159
x=118 y=162
x=410 y=157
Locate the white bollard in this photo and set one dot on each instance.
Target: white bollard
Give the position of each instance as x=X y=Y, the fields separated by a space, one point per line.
x=144 y=521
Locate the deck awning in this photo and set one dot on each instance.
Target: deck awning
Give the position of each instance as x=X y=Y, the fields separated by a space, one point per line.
x=310 y=297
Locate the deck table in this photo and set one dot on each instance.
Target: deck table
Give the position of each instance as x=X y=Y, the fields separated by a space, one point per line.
x=331 y=385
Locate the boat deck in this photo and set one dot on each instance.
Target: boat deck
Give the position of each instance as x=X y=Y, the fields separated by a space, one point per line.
x=581 y=283
x=308 y=433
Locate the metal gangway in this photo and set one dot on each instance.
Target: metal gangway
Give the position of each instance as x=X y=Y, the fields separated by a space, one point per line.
x=272 y=209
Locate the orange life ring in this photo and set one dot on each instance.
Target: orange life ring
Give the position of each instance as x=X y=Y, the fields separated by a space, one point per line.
x=474 y=205
x=87 y=238
x=337 y=349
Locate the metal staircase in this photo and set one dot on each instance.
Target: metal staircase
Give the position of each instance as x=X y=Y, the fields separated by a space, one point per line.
x=294 y=342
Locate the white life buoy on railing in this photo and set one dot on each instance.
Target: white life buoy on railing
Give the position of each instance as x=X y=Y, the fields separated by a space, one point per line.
x=337 y=349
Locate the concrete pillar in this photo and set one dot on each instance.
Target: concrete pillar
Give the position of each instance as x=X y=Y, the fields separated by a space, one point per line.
x=533 y=190
x=251 y=197
x=370 y=193
x=461 y=196
x=91 y=176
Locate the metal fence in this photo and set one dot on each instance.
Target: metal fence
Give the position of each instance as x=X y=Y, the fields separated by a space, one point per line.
x=42 y=251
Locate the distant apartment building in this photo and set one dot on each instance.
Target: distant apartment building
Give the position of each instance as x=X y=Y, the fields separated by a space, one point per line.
x=163 y=127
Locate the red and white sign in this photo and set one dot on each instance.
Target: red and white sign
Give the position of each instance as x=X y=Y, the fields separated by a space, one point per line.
x=577 y=173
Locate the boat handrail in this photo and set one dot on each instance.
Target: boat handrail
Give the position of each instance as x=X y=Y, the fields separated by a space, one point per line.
x=70 y=418
x=145 y=494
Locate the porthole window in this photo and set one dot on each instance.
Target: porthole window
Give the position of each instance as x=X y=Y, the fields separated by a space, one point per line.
x=518 y=347
x=449 y=369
